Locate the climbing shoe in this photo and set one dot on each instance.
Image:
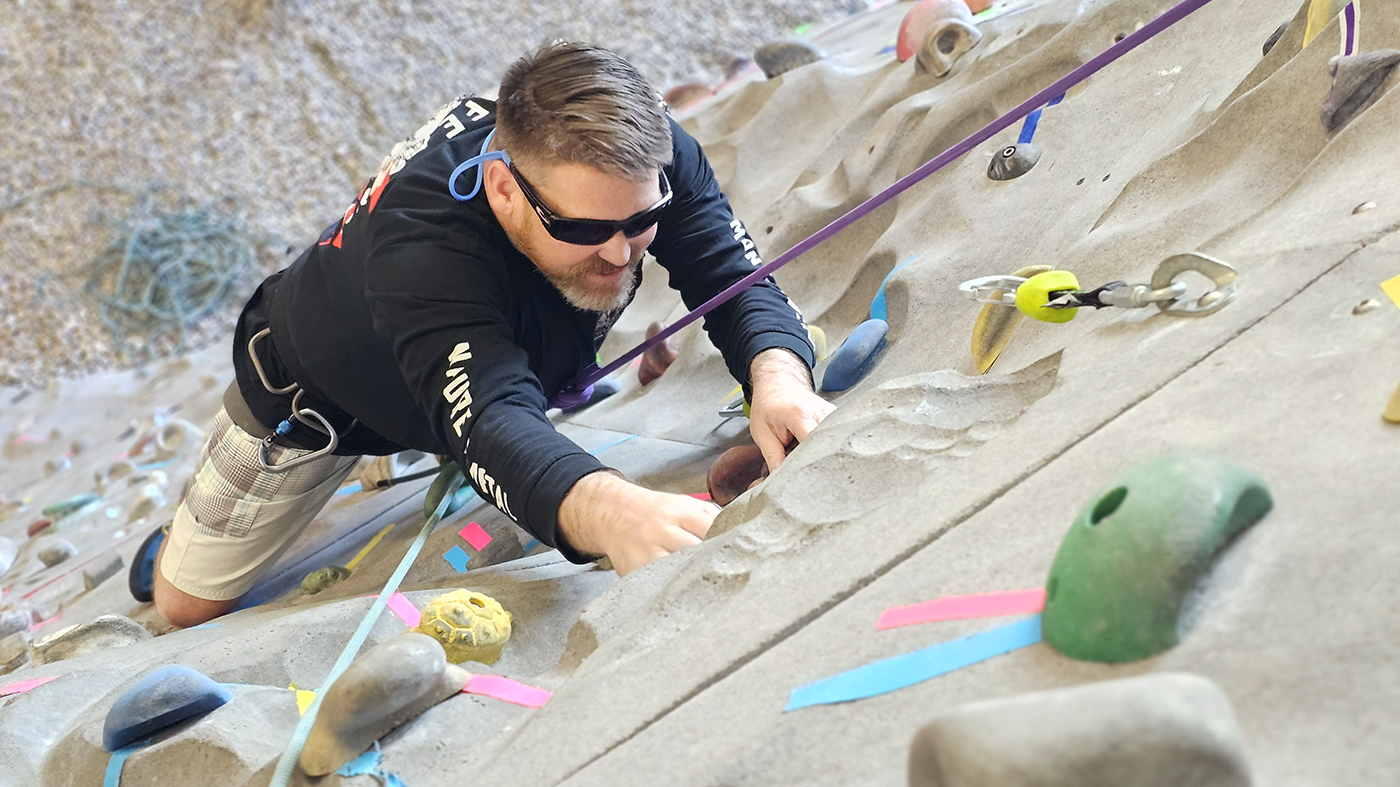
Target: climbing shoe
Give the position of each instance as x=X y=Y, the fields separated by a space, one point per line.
x=141 y=580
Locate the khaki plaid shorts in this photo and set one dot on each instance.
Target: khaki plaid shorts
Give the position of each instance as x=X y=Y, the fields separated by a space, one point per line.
x=237 y=519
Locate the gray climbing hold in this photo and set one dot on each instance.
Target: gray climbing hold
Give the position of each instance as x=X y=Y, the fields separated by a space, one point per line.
x=147 y=502
x=388 y=685
x=1013 y=161
x=57 y=465
x=17 y=617
x=1273 y=39
x=322 y=578
x=1355 y=78
x=855 y=356
x=1162 y=730
x=101 y=634
x=55 y=551
x=103 y=568
x=165 y=697
x=779 y=57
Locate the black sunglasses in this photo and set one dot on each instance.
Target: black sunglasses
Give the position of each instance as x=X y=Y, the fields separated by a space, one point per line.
x=591 y=232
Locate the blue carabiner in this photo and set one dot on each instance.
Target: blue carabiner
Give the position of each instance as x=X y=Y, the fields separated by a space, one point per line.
x=475 y=161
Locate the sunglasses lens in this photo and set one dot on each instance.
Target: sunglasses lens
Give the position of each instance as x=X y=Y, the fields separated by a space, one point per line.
x=581 y=234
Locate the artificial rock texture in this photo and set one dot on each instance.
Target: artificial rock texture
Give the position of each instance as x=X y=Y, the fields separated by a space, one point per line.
x=928 y=480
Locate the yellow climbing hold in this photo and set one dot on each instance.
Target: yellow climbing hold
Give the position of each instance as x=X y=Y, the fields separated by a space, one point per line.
x=1392 y=410
x=1035 y=292
x=304 y=698
x=471 y=626
x=1320 y=12
x=818 y=337
x=995 y=324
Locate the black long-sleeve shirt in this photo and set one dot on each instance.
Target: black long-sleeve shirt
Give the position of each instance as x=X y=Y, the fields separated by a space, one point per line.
x=415 y=319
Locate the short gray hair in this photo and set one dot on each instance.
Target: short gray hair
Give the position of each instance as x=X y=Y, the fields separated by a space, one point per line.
x=581 y=104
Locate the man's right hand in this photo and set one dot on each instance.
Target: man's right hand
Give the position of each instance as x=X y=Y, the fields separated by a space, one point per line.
x=604 y=514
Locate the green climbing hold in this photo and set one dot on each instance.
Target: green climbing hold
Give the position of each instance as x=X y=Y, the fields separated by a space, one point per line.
x=446 y=473
x=71 y=506
x=1116 y=588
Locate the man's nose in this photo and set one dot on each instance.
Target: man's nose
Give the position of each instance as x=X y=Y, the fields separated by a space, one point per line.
x=618 y=250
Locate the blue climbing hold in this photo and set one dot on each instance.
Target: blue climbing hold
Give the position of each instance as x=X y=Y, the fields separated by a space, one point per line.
x=878 y=308
x=170 y=694
x=855 y=356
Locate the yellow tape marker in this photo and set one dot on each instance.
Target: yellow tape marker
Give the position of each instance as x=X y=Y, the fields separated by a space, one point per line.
x=373 y=542
x=738 y=389
x=304 y=698
x=1392 y=288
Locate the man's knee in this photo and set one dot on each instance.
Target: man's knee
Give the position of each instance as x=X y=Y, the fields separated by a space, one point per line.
x=184 y=610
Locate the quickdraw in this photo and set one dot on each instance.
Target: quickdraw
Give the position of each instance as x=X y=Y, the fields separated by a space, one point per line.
x=1055 y=296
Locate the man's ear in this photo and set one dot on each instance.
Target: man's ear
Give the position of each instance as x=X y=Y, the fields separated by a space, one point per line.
x=501 y=190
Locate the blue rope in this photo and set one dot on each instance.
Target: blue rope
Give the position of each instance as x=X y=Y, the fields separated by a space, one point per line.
x=285 y=766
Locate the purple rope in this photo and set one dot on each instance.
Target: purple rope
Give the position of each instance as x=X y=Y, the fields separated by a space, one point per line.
x=1129 y=43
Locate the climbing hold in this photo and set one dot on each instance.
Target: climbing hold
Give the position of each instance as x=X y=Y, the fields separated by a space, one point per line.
x=55 y=551
x=1355 y=78
x=734 y=472
x=1392 y=408
x=106 y=566
x=17 y=617
x=100 y=634
x=1167 y=729
x=1273 y=39
x=39 y=526
x=1036 y=291
x=438 y=488
x=818 y=337
x=114 y=473
x=1365 y=307
x=8 y=552
x=178 y=435
x=70 y=506
x=390 y=684
x=57 y=465
x=937 y=33
x=470 y=626
x=165 y=697
x=601 y=390
x=322 y=578
x=995 y=324
x=383 y=469
x=1116 y=588
x=680 y=95
x=1013 y=161
x=1363 y=207
x=779 y=57
x=656 y=360
x=150 y=498
x=14 y=651
x=855 y=356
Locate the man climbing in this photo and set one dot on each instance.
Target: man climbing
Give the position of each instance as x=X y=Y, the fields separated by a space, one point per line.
x=470 y=281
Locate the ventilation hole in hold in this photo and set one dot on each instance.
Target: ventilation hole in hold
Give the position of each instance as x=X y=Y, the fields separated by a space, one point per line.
x=1050 y=591
x=1107 y=505
x=948 y=42
x=476 y=602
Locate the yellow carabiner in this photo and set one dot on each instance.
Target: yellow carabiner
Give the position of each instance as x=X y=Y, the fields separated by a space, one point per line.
x=1034 y=293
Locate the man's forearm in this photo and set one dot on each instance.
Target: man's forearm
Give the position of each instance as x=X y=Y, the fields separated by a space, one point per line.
x=582 y=512
x=781 y=366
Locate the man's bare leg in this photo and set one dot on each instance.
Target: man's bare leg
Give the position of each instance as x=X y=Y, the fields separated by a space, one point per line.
x=179 y=607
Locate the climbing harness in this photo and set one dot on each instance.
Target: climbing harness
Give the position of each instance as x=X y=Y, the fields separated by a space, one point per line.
x=1054 y=296
x=299 y=413
x=1130 y=42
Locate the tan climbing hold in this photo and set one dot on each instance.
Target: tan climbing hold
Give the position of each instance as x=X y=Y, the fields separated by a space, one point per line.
x=390 y=684
x=471 y=626
x=1392 y=410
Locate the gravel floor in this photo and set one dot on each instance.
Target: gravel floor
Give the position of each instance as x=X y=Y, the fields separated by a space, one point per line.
x=281 y=108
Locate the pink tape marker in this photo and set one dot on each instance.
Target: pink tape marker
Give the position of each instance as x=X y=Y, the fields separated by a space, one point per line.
x=980 y=605
x=475 y=536
x=26 y=685
x=404 y=608
x=701 y=495
x=507 y=690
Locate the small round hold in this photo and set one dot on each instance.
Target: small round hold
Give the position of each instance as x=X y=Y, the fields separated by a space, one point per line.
x=1013 y=161
x=1367 y=305
x=1363 y=207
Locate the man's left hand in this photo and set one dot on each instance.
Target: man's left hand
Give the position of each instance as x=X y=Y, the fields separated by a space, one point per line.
x=784 y=407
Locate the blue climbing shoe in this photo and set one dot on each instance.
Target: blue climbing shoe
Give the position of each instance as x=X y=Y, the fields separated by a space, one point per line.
x=142 y=578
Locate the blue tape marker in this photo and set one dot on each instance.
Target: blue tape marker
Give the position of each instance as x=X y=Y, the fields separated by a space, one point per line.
x=1033 y=121
x=613 y=444
x=533 y=543
x=457 y=558
x=113 y=777
x=887 y=675
x=877 y=306
x=350 y=489
x=887 y=50
x=206 y=626
x=363 y=764
x=392 y=780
